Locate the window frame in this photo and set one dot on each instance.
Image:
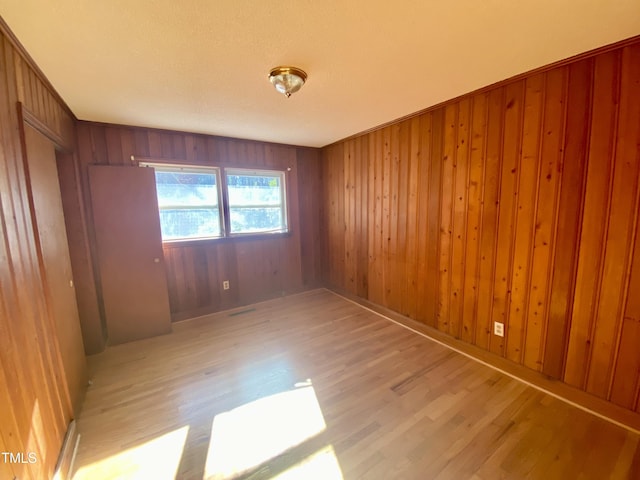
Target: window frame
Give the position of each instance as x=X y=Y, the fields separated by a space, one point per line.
x=183 y=168
x=284 y=207
x=221 y=172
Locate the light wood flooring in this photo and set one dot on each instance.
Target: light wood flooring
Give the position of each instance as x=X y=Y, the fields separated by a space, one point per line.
x=314 y=386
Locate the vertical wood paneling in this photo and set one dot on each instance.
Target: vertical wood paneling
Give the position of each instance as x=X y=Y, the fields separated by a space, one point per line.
x=213 y=272
x=621 y=221
x=624 y=390
x=543 y=239
x=376 y=284
x=35 y=397
x=568 y=215
x=436 y=139
x=201 y=277
x=387 y=254
x=446 y=210
x=474 y=217
x=488 y=240
x=170 y=265
x=362 y=155
x=509 y=172
x=370 y=212
x=340 y=225
x=606 y=92
x=404 y=160
x=525 y=217
x=10 y=434
x=141 y=142
x=413 y=214
x=127 y=143
x=424 y=176
x=515 y=205
x=75 y=220
x=351 y=226
x=309 y=176
x=36 y=367
x=459 y=218
x=336 y=227
x=114 y=146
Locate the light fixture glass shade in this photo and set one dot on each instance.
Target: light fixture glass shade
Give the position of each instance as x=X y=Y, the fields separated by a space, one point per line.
x=287 y=80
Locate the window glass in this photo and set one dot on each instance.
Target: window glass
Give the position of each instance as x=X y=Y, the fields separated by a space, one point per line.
x=256 y=201
x=188 y=201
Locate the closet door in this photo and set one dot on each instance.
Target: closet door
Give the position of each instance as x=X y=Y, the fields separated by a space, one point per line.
x=54 y=257
x=129 y=248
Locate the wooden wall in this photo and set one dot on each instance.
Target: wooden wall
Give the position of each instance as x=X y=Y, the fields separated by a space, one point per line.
x=35 y=405
x=257 y=268
x=517 y=204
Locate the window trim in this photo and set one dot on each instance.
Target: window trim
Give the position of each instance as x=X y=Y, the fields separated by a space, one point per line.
x=283 y=194
x=221 y=172
x=209 y=170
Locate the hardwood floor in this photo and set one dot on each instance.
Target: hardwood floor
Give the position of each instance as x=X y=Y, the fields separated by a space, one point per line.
x=314 y=386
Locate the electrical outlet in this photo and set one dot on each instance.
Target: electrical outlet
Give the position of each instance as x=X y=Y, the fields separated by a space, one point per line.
x=498 y=329
x=225 y=285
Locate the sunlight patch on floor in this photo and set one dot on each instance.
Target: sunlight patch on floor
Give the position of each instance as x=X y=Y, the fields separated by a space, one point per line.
x=322 y=465
x=156 y=459
x=256 y=432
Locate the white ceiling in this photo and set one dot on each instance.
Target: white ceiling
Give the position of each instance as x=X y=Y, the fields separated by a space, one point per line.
x=201 y=65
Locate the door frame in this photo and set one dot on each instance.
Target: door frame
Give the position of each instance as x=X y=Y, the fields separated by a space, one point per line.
x=26 y=118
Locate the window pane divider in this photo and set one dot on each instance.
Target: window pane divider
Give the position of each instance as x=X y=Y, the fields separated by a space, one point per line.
x=257 y=232
x=188 y=207
x=258 y=205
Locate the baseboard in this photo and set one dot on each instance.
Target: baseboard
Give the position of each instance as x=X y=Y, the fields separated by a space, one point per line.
x=585 y=401
x=230 y=306
x=64 y=467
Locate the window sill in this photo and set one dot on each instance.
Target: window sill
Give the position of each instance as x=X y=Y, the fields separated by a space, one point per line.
x=229 y=239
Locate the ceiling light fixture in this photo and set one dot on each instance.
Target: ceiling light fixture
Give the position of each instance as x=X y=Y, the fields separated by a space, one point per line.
x=287 y=80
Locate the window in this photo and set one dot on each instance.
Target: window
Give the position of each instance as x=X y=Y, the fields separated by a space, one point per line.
x=189 y=202
x=195 y=204
x=256 y=201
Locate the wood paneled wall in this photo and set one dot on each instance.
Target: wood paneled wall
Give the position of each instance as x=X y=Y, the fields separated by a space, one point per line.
x=256 y=268
x=516 y=204
x=35 y=405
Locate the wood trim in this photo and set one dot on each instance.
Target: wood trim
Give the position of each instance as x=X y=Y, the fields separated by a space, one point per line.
x=179 y=162
x=229 y=239
x=198 y=313
x=64 y=466
x=221 y=166
x=501 y=83
x=578 y=398
x=26 y=116
x=4 y=28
